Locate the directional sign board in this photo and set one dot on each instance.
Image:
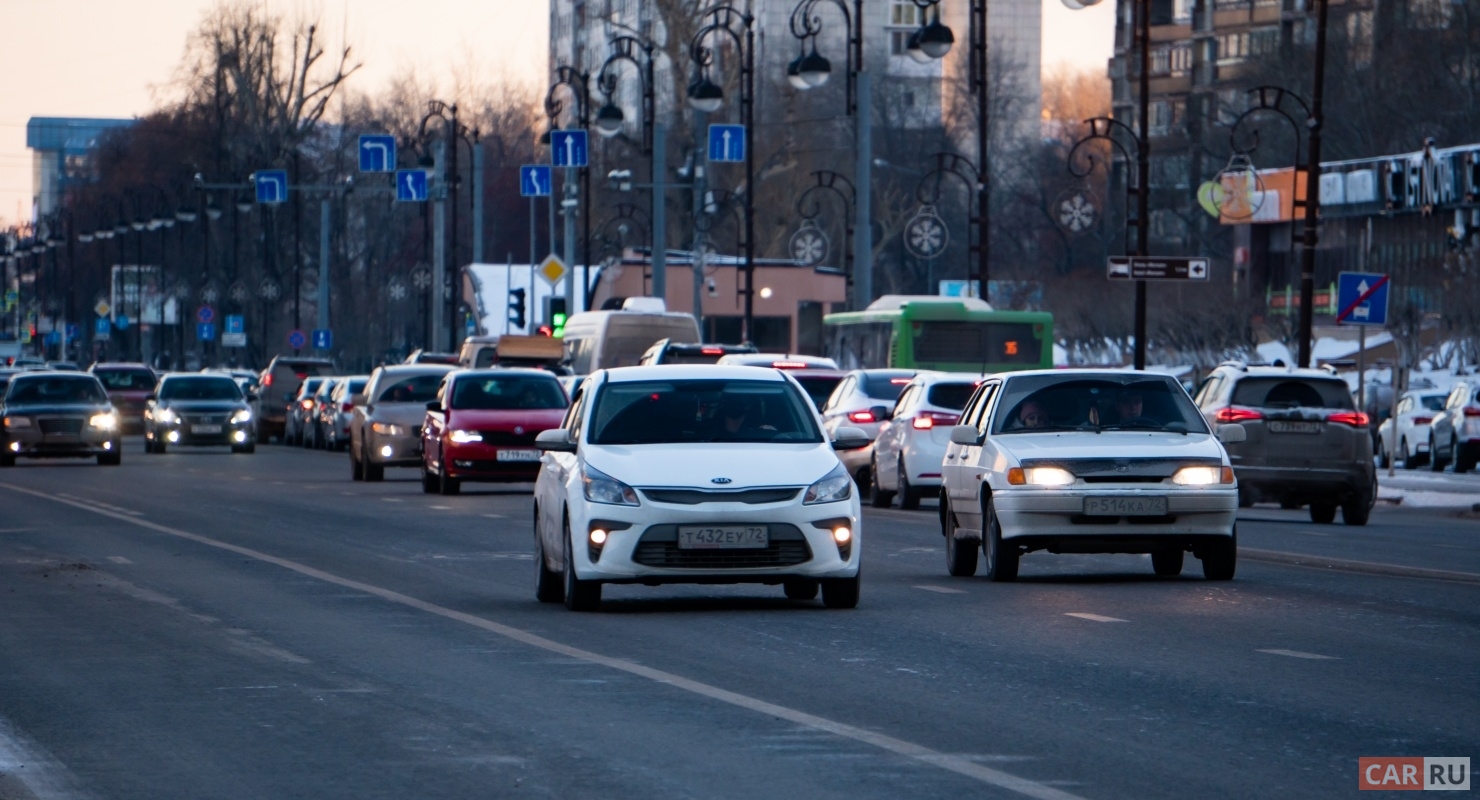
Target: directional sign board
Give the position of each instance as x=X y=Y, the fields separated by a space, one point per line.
x=102 y=331
x=205 y=331
x=534 y=180
x=297 y=340
x=552 y=269
x=411 y=185
x=323 y=339
x=726 y=142
x=1362 y=298
x=1157 y=268
x=377 y=152
x=568 y=148
x=236 y=323
x=233 y=340
x=272 y=185
x=205 y=314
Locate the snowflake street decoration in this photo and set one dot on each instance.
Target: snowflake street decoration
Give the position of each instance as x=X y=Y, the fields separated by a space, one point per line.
x=269 y=289
x=1077 y=212
x=809 y=245
x=210 y=294
x=239 y=292
x=421 y=278
x=926 y=236
x=397 y=289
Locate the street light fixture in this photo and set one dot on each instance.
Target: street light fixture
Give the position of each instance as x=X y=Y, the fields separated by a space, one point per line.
x=705 y=96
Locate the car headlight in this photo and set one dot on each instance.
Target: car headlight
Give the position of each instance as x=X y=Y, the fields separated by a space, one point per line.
x=465 y=437
x=603 y=488
x=17 y=422
x=164 y=415
x=387 y=429
x=106 y=421
x=1040 y=476
x=835 y=486
x=241 y=416
x=1203 y=476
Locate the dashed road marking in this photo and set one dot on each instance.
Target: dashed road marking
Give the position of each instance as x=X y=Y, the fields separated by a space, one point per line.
x=496 y=516
x=1298 y=654
x=1093 y=617
x=941 y=589
x=440 y=508
x=119 y=560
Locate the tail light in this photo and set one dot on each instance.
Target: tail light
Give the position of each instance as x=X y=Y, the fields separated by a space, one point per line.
x=307 y=403
x=862 y=416
x=789 y=364
x=267 y=381
x=712 y=351
x=1471 y=411
x=347 y=407
x=929 y=419
x=1422 y=420
x=300 y=375
x=1356 y=419
x=1236 y=414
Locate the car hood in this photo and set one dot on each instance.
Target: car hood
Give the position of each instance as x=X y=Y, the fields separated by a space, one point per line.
x=400 y=413
x=131 y=395
x=698 y=465
x=202 y=406
x=34 y=409
x=531 y=420
x=1110 y=444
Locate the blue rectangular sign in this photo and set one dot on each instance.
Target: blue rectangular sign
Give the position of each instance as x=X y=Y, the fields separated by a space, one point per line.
x=1362 y=298
x=411 y=185
x=568 y=148
x=205 y=331
x=101 y=329
x=534 y=180
x=236 y=323
x=377 y=152
x=323 y=339
x=272 y=185
x=726 y=142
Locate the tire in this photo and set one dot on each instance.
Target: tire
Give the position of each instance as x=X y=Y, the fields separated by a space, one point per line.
x=1383 y=458
x=877 y=497
x=447 y=484
x=112 y=459
x=356 y=469
x=841 y=592
x=429 y=482
x=864 y=480
x=1220 y=560
x=1323 y=513
x=1167 y=563
x=1436 y=464
x=1461 y=460
x=1002 y=559
x=1357 y=510
x=374 y=473
x=909 y=497
x=244 y=449
x=801 y=588
x=1409 y=461
x=547 y=583
x=579 y=595
x=7 y=458
x=1245 y=497
x=160 y=448
x=961 y=557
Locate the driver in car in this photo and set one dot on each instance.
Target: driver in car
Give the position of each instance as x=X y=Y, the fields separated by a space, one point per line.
x=1130 y=406
x=736 y=420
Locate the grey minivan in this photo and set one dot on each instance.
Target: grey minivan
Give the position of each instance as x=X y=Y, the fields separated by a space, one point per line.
x=386 y=428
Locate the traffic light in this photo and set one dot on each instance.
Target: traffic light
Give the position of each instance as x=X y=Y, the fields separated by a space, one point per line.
x=555 y=315
x=516 y=307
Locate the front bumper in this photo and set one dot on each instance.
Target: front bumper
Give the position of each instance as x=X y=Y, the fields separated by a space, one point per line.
x=35 y=444
x=1278 y=482
x=233 y=435
x=1059 y=514
x=394 y=451
x=480 y=462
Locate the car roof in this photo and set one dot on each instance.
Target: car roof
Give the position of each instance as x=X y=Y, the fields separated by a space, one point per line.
x=932 y=377
x=680 y=372
x=1269 y=371
x=55 y=374
x=170 y=376
x=121 y=365
x=416 y=369
x=503 y=371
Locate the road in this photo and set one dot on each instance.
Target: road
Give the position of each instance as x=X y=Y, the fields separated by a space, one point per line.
x=202 y=625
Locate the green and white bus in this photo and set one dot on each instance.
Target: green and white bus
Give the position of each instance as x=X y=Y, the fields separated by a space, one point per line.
x=951 y=334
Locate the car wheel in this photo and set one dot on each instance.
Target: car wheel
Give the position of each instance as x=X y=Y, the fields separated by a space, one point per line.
x=1383 y=459
x=1220 y=560
x=1245 y=497
x=373 y=472
x=356 y=469
x=1167 y=563
x=159 y=445
x=248 y=448
x=1410 y=459
x=1436 y=464
x=547 y=585
x=1002 y=558
x=877 y=497
x=961 y=556
x=909 y=498
x=429 y=482
x=1357 y=510
x=112 y=459
x=1323 y=513
x=841 y=592
x=579 y=595
x=800 y=588
x=1459 y=458
x=7 y=458
x=448 y=484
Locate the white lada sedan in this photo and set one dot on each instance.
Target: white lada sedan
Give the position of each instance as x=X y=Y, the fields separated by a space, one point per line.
x=695 y=474
x=1081 y=461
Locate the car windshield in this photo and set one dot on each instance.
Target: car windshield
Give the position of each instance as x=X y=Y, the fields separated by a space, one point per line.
x=310 y=387
x=1039 y=403
x=416 y=389
x=125 y=380
x=199 y=389
x=54 y=390
x=885 y=385
x=691 y=411
x=1295 y=392
x=1433 y=402
x=506 y=393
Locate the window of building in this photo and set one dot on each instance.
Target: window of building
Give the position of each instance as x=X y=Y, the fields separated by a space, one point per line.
x=1431 y=14
x=1264 y=41
x=1181 y=59
x=1359 y=33
x=904 y=19
x=1233 y=47
x=1161 y=61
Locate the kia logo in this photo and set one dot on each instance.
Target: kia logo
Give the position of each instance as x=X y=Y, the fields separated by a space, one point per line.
x=518 y=429
x=719 y=480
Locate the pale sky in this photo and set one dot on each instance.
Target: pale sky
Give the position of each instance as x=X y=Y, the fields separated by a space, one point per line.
x=117 y=58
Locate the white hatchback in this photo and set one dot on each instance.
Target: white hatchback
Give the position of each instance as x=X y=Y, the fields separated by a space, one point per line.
x=911 y=446
x=1087 y=461
x=695 y=474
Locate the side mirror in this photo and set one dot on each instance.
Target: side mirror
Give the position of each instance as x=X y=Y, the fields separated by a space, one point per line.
x=849 y=438
x=1232 y=434
x=965 y=434
x=434 y=405
x=881 y=413
x=555 y=440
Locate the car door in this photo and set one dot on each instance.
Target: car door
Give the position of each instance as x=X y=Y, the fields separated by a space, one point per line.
x=890 y=439
x=435 y=426
x=1440 y=428
x=974 y=460
x=950 y=468
x=835 y=411
x=556 y=470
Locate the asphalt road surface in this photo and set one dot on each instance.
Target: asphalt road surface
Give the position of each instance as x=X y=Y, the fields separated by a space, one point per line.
x=203 y=625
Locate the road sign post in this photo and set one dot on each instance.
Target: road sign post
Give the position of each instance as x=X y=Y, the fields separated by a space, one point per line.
x=377 y=152
x=1157 y=268
x=727 y=143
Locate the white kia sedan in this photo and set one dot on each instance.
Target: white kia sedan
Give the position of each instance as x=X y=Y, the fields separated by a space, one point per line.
x=1087 y=461
x=695 y=474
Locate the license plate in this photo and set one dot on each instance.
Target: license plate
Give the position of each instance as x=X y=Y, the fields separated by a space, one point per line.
x=1275 y=426
x=1125 y=506
x=517 y=455
x=202 y=429
x=723 y=537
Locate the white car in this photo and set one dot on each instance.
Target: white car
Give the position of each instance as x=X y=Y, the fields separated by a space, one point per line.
x=1087 y=461
x=1416 y=409
x=911 y=446
x=694 y=474
x=1454 y=433
x=864 y=400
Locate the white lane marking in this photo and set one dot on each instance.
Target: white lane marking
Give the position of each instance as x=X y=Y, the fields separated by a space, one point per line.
x=101 y=504
x=391 y=499
x=941 y=589
x=440 y=508
x=1093 y=617
x=910 y=750
x=28 y=763
x=1298 y=654
x=119 y=560
x=496 y=516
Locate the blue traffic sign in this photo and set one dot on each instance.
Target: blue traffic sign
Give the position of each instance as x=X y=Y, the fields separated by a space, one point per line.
x=205 y=331
x=323 y=339
x=272 y=185
x=297 y=340
x=53 y=337
x=236 y=323
x=726 y=142
x=534 y=180
x=568 y=148
x=377 y=152
x=121 y=322
x=73 y=330
x=205 y=314
x=1362 y=298
x=101 y=329
x=411 y=185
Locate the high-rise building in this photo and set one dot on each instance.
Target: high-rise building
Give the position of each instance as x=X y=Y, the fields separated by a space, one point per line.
x=60 y=152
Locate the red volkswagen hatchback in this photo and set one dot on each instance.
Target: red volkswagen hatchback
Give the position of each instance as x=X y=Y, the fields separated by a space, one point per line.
x=482 y=426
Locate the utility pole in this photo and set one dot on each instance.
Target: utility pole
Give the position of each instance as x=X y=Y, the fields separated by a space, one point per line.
x=660 y=212
x=326 y=216
x=478 y=203
x=439 y=250
x=863 y=240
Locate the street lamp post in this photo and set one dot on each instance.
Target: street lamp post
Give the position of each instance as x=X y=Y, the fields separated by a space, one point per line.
x=448 y=114
x=609 y=119
x=579 y=85
x=704 y=95
x=829 y=182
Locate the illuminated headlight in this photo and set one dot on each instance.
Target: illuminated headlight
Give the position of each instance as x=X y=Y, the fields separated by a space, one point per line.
x=165 y=416
x=387 y=429
x=1040 y=476
x=104 y=422
x=386 y=451
x=174 y=436
x=835 y=486
x=465 y=437
x=240 y=417
x=17 y=422
x=1203 y=476
x=603 y=488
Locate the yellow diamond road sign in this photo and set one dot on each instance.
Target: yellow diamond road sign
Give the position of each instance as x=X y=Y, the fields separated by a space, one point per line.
x=102 y=308
x=552 y=269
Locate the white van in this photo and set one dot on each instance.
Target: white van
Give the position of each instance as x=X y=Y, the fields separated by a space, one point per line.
x=606 y=339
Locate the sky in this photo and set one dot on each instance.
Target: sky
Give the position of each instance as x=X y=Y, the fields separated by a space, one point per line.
x=118 y=58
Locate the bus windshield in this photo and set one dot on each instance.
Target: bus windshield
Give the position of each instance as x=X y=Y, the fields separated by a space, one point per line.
x=945 y=336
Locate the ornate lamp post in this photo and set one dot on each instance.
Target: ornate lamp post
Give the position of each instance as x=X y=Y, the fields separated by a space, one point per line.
x=579 y=85
x=609 y=119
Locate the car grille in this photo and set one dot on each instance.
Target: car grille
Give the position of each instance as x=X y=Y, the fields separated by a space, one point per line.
x=694 y=497
x=204 y=420
x=507 y=438
x=66 y=425
x=1122 y=470
x=658 y=547
x=488 y=465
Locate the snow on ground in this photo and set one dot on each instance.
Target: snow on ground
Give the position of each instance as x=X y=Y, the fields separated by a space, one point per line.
x=1421 y=499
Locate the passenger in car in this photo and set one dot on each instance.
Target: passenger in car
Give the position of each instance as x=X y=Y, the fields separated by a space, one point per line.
x=1032 y=414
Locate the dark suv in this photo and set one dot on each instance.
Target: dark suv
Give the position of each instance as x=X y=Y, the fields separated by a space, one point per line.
x=1307 y=443
x=278 y=385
